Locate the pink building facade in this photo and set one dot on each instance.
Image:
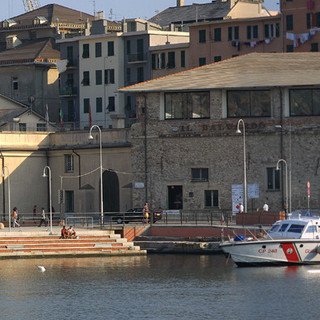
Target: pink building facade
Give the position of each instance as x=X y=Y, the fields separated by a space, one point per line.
x=224 y=39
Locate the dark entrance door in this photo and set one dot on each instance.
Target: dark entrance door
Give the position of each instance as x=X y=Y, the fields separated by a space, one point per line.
x=111 y=198
x=175 y=197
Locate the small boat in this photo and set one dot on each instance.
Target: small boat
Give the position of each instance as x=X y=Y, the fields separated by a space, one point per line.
x=294 y=241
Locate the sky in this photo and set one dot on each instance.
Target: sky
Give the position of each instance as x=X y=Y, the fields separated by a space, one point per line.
x=113 y=9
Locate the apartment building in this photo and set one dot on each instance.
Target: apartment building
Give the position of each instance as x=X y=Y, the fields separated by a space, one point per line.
x=247 y=27
x=301 y=25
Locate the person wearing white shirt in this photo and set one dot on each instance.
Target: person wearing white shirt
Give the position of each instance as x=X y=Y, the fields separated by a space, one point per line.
x=265 y=207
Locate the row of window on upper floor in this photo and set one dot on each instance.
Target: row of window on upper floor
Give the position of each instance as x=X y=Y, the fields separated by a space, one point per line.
x=312 y=21
x=240 y=103
x=270 y=31
x=164 y=61
x=109 y=77
x=98 y=50
x=98 y=106
x=273 y=177
x=110 y=49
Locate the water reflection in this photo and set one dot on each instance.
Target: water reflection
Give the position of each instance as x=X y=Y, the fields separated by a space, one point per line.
x=154 y=287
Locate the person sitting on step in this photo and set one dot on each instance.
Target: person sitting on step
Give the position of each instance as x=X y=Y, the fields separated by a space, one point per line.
x=71 y=233
x=64 y=233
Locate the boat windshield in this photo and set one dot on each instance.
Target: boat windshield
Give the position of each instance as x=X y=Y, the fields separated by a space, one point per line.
x=275 y=227
x=296 y=228
x=311 y=229
x=283 y=227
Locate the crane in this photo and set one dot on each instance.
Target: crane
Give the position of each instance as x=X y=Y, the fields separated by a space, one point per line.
x=30 y=5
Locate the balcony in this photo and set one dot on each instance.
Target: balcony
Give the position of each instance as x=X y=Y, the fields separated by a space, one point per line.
x=73 y=63
x=140 y=57
x=68 y=91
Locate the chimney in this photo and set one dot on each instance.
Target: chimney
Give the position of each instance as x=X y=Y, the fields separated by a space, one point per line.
x=180 y=3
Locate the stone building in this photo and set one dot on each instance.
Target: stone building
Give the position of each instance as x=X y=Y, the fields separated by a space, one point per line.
x=28 y=54
x=187 y=155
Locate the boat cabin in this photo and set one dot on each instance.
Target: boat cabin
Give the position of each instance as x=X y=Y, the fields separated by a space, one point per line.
x=296 y=228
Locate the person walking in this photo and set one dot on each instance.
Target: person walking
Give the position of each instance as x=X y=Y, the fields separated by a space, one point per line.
x=15 y=217
x=240 y=207
x=146 y=212
x=34 y=212
x=43 y=218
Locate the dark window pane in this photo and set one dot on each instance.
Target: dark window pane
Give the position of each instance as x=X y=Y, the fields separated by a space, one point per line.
x=289 y=22
x=171 y=59
x=202 y=61
x=202 y=36
x=110 y=48
x=99 y=104
x=217 y=34
x=85 y=51
x=183 y=59
x=98 y=77
x=98 y=49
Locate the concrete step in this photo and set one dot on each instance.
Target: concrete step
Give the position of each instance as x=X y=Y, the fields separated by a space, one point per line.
x=51 y=245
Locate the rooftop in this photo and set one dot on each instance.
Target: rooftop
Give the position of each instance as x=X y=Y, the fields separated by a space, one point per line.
x=259 y=70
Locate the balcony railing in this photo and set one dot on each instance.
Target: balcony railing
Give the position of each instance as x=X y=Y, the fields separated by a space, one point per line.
x=137 y=57
x=68 y=91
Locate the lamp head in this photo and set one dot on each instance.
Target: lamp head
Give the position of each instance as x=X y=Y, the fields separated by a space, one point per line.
x=90 y=137
x=44 y=175
x=238 y=131
x=277 y=167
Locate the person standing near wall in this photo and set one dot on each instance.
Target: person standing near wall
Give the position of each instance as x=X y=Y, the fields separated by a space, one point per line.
x=43 y=218
x=265 y=207
x=146 y=212
x=15 y=217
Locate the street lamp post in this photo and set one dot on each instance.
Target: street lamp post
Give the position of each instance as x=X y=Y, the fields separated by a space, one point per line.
x=244 y=161
x=278 y=168
x=101 y=169
x=50 y=193
x=9 y=199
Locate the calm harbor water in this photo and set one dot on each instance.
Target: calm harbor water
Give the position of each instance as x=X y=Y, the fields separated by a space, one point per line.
x=155 y=287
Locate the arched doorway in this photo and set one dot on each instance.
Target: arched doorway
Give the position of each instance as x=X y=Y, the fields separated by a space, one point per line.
x=111 y=197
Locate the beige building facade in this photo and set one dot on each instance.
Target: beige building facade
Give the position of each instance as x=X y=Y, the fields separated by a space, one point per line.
x=73 y=160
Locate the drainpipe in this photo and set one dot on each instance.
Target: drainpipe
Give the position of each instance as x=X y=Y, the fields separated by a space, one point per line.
x=145 y=151
x=3 y=190
x=281 y=143
x=79 y=173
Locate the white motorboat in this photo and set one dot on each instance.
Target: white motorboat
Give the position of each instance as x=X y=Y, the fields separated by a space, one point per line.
x=293 y=241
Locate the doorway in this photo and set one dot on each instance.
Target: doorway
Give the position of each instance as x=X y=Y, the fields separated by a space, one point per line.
x=175 y=197
x=111 y=196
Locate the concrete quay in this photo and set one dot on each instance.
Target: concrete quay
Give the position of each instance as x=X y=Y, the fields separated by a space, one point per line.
x=190 y=239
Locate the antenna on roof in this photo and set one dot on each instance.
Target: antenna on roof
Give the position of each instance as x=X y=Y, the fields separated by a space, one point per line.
x=110 y=14
x=30 y=5
x=94 y=7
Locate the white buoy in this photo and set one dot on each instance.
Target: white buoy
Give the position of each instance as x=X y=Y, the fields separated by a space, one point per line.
x=41 y=268
x=314 y=271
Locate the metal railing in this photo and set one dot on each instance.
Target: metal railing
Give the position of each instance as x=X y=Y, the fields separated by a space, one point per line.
x=118 y=219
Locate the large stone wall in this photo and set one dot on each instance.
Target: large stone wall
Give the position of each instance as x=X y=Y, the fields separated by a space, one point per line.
x=176 y=146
